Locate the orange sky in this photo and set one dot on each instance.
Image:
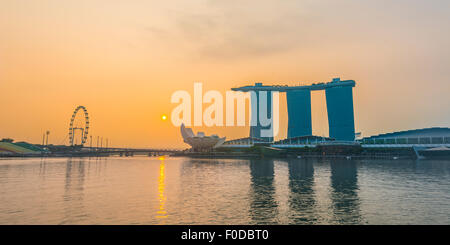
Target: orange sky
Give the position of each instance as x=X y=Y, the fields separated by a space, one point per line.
x=124 y=59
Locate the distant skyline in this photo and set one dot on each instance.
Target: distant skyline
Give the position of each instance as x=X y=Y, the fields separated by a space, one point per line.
x=124 y=59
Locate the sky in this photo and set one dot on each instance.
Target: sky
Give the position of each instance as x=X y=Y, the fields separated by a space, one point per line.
x=123 y=60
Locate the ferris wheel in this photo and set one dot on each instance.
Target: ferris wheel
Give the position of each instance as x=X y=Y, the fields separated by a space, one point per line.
x=84 y=130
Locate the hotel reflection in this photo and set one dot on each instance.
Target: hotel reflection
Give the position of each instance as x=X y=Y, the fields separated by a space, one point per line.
x=264 y=206
x=344 y=191
x=302 y=199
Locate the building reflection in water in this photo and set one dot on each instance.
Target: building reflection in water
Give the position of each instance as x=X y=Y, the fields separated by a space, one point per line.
x=74 y=191
x=100 y=165
x=301 y=197
x=344 y=192
x=263 y=206
x=42 y=167
x=161 y=213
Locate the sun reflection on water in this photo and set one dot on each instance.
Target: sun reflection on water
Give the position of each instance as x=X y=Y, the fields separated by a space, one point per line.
x=161 y=213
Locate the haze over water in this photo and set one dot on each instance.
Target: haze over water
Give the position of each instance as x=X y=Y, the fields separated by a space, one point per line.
x=148 y=190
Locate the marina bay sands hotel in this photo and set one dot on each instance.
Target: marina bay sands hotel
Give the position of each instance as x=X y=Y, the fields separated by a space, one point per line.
x=339 y=100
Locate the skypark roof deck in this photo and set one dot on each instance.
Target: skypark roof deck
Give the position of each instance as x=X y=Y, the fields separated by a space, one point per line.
x=336 y=82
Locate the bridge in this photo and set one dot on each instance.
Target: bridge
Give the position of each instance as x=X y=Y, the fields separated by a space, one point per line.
x=135 y=151
x=93 y=151
x=132 y=151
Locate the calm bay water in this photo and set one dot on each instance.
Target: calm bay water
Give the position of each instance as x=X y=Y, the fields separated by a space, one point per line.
x=149 y=190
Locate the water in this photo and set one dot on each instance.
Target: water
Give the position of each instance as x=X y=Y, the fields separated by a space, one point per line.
x=149 y=190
